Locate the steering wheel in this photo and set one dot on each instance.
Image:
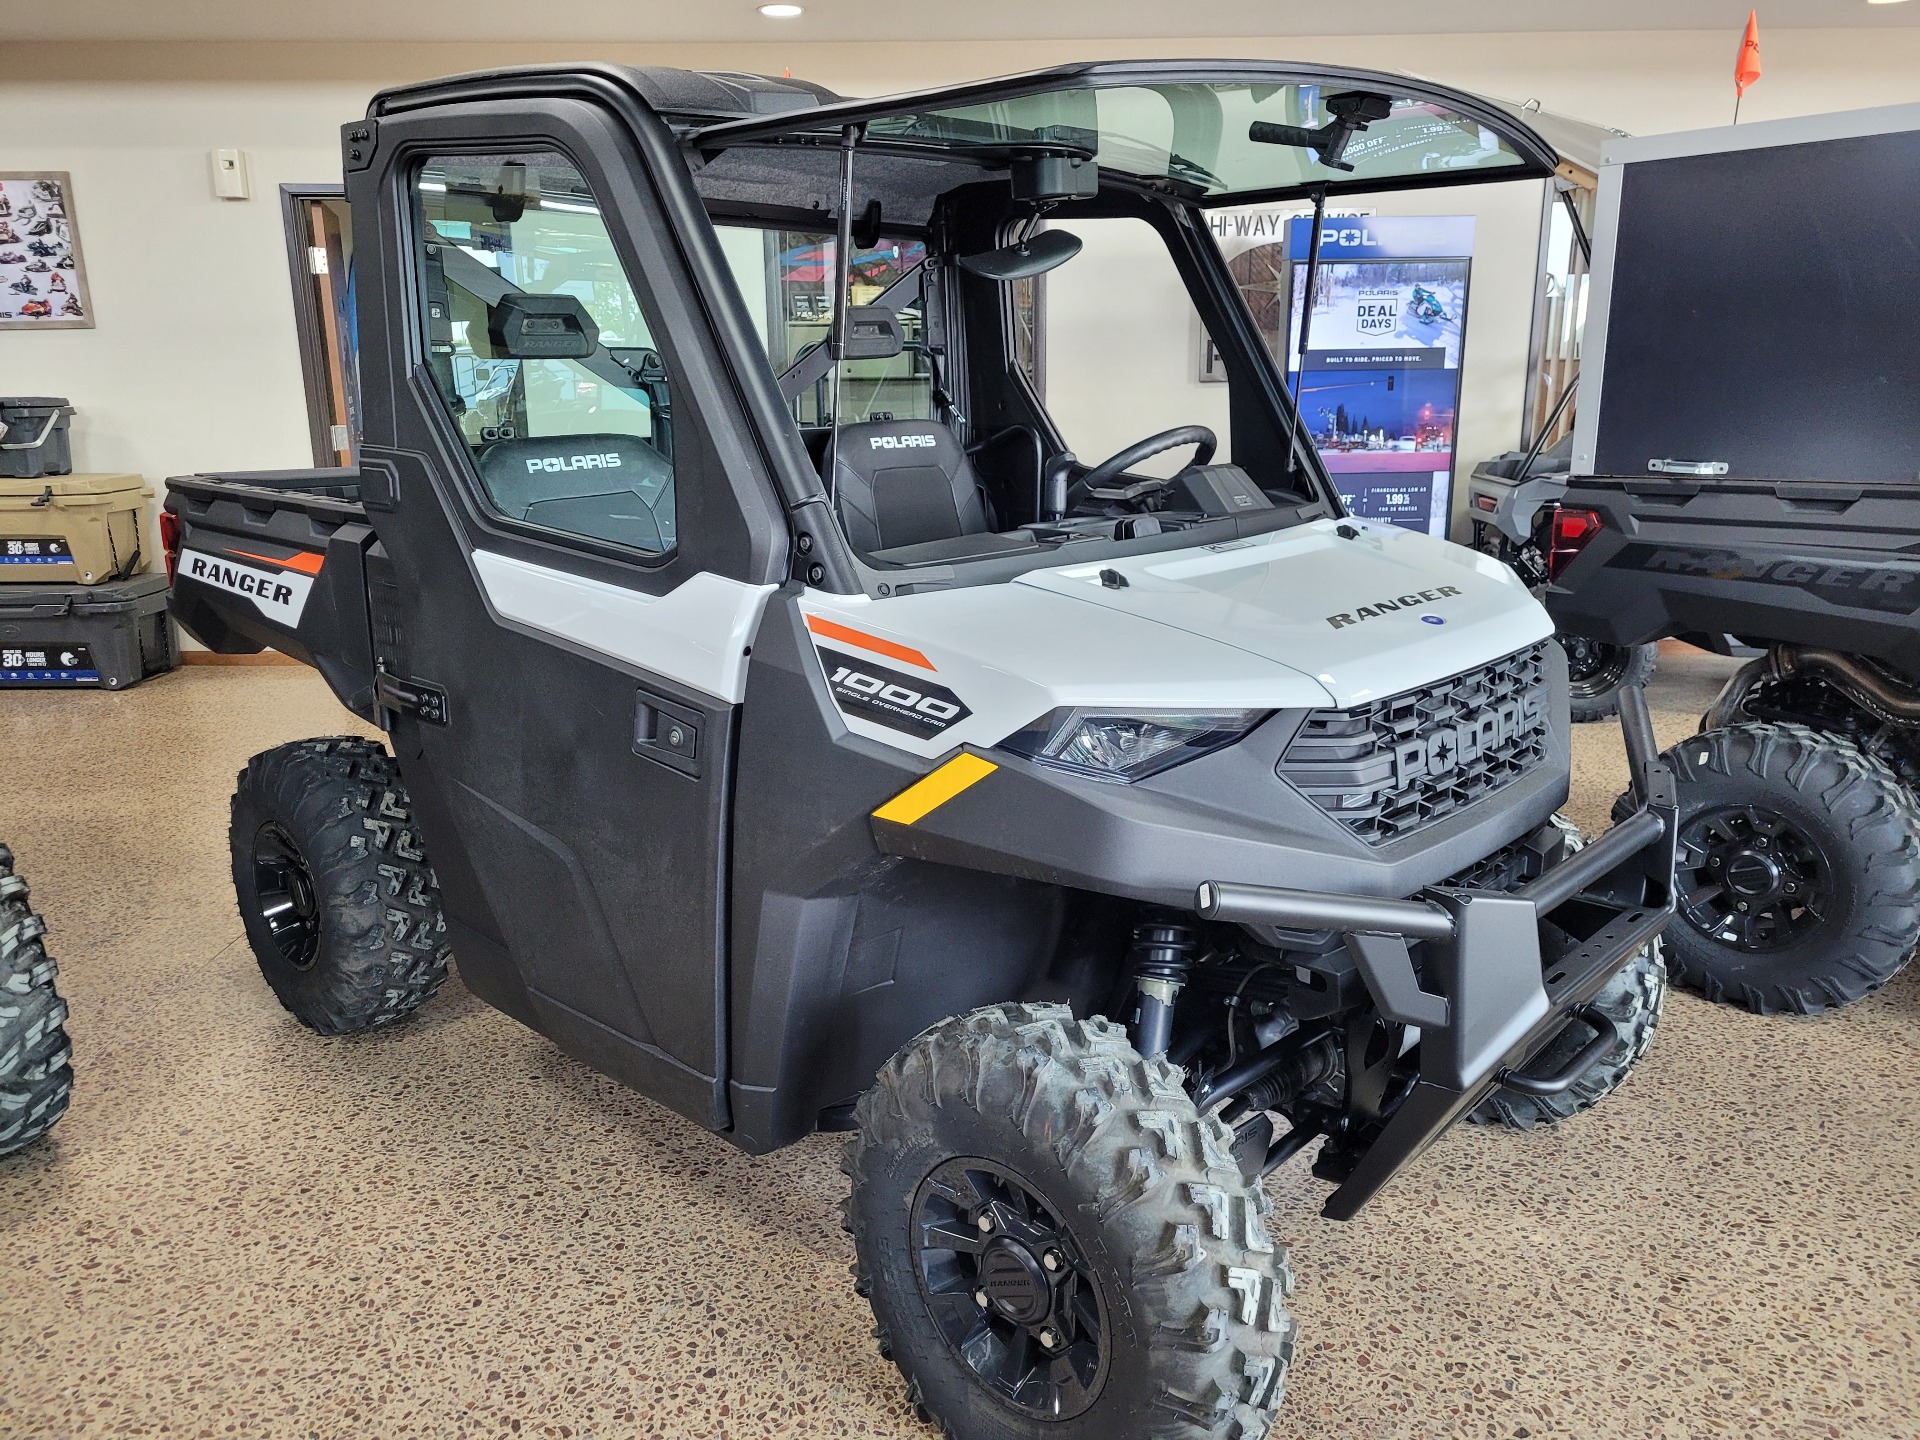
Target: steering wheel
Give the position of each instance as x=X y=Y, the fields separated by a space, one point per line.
x=1199 y=436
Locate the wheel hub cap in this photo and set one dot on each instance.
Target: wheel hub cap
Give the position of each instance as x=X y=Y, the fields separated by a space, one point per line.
x=284 y=890
x=1751 y=875
x=1009 y=1290
x=1750 y=878
x=1594 y=666
x=1016 y=1284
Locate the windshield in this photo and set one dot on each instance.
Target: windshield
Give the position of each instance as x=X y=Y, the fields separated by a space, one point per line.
x=1041 y=363
x=1199 y=135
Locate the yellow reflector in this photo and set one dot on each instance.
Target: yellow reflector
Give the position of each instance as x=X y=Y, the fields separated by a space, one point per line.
x=931 y=791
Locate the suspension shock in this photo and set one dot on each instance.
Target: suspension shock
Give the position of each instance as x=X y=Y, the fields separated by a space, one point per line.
x=1161 y=956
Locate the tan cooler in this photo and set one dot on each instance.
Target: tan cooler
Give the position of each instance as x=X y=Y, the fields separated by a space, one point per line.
x=73 y=529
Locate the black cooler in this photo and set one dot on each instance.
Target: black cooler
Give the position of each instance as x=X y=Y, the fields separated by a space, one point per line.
x=103 y=637
x=33 y=436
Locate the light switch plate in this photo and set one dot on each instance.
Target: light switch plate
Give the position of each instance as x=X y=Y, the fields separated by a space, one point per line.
x=230 y=175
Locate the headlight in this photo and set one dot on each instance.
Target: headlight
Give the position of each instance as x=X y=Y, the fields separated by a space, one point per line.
x=1128 y=747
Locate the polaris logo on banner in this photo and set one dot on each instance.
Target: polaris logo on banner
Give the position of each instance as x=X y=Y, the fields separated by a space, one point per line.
x=886 y=697
x=902 y=442
x=1377 y=312
x=1486 y=733
x=281 y=597
x=554 y=464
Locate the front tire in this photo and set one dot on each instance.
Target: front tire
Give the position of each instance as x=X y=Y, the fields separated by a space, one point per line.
x=36 y=1062
x=1632 y=1000
x=1055 y=1243
x=1598 y=671
x=339 y=903
x=1799 y=870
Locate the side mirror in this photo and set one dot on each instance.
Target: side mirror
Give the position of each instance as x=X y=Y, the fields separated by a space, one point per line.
x=542 y=327
x=1033 y=256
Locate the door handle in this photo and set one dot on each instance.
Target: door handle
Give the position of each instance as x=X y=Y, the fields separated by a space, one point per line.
x=668 y=733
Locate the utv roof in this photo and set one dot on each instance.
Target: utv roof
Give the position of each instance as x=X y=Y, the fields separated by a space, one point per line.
x=685 y=97
x=1185 y=127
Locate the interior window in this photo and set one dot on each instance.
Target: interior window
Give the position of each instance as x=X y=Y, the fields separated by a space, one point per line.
x=1120 y=310
x=787 y=279
x=541 y=349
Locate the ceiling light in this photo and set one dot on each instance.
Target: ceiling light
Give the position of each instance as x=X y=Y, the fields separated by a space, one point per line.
x=788 y=12
x=1886 y=2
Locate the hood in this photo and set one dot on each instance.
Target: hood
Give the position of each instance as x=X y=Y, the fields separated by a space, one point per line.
x=1300 y=619
x=1366 y=616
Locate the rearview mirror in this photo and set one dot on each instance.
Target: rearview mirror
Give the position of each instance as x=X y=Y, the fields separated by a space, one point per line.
x=542 y=327
x=1033 y=256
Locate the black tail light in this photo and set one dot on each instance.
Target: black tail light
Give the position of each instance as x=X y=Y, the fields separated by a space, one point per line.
x=1570 y=533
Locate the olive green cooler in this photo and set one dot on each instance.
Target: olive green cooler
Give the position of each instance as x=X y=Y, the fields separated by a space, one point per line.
x=73 y=529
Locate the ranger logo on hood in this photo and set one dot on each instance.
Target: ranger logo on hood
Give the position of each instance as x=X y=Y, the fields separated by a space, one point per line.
x=1399 y=602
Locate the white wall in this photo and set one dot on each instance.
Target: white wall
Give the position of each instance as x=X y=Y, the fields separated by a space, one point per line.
x=192 y=364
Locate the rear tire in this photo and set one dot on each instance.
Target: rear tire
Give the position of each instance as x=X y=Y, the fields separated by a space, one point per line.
x=1781 y=808
x=1137 y=1236
x=1632 y=1000
x=339 y=903
x=36 y=1061
x=1597 y=672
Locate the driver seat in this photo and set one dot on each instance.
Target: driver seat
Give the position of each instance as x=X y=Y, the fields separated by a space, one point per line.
x=904 y=482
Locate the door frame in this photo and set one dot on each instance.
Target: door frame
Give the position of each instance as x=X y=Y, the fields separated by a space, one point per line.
x=322 y=372
x=733 y=529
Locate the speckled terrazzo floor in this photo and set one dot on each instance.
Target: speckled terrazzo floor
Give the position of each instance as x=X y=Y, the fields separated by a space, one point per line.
x=452 y=1230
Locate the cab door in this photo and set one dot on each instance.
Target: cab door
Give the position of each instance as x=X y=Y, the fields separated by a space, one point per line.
x=577 y=538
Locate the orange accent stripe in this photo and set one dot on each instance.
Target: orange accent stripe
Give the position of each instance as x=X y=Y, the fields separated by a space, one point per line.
x=306 y=562
x=865 y=641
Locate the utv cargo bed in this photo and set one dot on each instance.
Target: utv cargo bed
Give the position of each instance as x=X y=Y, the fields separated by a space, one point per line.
x=292 y=545
x=1781 y=562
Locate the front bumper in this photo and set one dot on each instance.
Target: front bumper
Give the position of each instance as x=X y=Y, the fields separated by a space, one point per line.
x=1487 y=1003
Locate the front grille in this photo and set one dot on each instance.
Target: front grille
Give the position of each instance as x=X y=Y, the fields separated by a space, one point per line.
x=1388 y=768
x=1520 y=863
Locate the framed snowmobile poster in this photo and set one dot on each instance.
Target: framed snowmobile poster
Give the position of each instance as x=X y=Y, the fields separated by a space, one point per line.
x=43 y=280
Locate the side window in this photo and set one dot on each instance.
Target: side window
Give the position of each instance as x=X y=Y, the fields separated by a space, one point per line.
x=541 y=351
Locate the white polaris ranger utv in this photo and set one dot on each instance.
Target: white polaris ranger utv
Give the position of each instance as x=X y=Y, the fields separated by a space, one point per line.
x=786 y=720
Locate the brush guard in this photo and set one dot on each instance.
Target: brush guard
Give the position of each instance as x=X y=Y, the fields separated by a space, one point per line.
x=1484 y=1001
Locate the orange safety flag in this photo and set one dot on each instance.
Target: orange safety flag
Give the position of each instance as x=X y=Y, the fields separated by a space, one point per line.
x=1746 y=69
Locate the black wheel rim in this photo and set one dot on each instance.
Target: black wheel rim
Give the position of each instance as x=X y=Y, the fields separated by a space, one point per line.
x=1038 y=1343
x=1751 y=879
x=1593 y=666
x=289 y=902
